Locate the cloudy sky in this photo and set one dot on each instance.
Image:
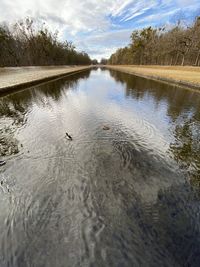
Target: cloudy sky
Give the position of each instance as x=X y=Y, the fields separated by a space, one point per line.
x=99 y=27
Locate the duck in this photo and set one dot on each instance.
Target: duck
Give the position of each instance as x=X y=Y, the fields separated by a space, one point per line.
x=68 y=136
x=2 y=162
x=106 y=128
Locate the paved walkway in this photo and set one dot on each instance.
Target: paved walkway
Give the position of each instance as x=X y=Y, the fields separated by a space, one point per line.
x=11 y=78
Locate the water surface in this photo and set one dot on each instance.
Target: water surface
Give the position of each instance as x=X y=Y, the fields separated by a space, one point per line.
x=128 y=196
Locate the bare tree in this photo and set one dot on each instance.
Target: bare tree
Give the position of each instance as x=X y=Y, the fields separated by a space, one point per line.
x=178 y=46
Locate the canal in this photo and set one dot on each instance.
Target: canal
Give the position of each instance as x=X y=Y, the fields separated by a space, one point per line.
x=125 y=191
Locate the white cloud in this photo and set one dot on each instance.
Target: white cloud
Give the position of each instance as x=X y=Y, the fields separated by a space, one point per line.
x=139 y=8
x=104 y=44
x=100 y=24
x=77 y=15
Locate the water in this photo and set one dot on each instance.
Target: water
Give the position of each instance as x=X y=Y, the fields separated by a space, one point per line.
x=126 y=196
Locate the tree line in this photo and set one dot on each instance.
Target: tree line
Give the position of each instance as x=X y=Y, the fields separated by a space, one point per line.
x=27 y=44
x=158 y=46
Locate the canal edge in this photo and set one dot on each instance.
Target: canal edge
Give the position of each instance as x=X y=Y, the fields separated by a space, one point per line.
x=180 y=84
x=29 y=84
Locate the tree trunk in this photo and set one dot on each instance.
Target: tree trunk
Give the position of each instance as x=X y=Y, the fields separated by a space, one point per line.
x=171 y=61
x=177 y=56
x=183 y=60
x=197 y=59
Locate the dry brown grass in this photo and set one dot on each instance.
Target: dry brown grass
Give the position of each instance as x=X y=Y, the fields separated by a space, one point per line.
x=187 y=74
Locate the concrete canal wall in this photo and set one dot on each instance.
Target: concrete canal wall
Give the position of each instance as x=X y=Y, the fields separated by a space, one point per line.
x=22 y=77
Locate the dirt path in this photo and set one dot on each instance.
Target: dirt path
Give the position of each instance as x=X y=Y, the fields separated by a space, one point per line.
x=16 y=78
x=183 y=76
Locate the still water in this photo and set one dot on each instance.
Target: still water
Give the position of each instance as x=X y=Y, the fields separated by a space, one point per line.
x=125 y=196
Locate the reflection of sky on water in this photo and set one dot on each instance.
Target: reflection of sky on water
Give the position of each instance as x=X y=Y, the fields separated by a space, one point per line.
x=115 y=191
x=128 y=111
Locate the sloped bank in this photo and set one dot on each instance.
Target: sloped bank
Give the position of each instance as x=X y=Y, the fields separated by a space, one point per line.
x=22 y=77
x=187 y=77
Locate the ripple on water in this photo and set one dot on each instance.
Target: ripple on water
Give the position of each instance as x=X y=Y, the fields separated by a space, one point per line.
x=106 y=198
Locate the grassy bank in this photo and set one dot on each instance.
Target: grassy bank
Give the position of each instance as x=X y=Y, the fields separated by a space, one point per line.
x=19 y=78
x=188 y=77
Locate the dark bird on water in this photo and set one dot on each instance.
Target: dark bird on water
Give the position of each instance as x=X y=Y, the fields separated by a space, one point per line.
x=106 y=128
x=2 y=162
x=68 y=136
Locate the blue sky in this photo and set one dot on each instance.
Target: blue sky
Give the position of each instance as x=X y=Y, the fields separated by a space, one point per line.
x=99 y=27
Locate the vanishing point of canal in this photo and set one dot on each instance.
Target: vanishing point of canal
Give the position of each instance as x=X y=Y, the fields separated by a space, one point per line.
x=124 y=192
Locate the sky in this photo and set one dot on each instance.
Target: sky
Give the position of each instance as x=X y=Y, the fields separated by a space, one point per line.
x=99 y=27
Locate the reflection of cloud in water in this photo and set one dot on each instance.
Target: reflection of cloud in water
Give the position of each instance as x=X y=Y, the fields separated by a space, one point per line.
x=137 y=142
x=106 y=198
x=130 y=119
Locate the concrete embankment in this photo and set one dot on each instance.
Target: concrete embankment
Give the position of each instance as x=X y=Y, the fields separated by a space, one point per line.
x=22 y=77
x=188 y=77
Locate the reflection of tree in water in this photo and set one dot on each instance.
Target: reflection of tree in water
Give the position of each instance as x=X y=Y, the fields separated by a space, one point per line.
x=183 y=109
x=186 y=147
x=177 y=99
x=144 y=232
x=14 y=107
x=14 y=112
x=170 y=225
x=55 y=89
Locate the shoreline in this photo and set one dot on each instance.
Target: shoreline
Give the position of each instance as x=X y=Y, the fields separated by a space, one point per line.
x=166 y=74
x=26 y=77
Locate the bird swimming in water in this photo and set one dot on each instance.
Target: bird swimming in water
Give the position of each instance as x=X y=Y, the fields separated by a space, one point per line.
x=106 y=128
x=68 y=136
x=2 y=162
